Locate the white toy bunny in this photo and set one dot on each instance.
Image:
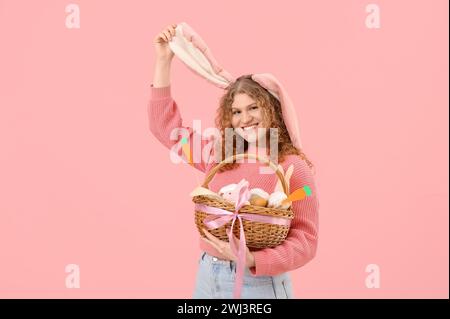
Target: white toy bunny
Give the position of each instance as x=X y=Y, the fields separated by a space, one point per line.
x=278 y=196
x=226 y=192
x=230 y=192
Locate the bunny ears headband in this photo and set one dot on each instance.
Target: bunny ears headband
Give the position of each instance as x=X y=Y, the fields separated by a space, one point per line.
x=190 y=48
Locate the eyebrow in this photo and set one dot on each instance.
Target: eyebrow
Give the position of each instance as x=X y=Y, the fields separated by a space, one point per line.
x=254 y=103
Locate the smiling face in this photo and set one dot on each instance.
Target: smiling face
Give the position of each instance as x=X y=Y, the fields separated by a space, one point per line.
x=237 y=110
x=247 y=117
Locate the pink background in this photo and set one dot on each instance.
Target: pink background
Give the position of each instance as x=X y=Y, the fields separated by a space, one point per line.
x=83 y=181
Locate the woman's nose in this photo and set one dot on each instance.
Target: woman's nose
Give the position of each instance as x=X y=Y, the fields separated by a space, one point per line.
x=246 y=118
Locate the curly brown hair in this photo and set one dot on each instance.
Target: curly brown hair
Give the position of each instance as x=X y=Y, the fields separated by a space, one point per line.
x=271 y=109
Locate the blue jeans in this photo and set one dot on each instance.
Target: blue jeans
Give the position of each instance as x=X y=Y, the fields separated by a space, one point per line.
x=216 y=277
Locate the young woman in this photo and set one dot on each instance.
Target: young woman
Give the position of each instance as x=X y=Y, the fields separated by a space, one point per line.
x=245 y=107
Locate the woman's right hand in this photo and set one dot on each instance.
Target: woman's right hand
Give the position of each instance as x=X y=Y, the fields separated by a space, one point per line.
x=161 y=43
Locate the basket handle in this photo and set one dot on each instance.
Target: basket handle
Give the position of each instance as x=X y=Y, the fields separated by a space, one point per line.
x=227 y=160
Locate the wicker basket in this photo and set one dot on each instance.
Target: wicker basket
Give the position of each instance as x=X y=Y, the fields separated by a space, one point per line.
x=257 y=234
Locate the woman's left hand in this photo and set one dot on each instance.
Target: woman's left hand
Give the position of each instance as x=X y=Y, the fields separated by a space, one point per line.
x=224 y=248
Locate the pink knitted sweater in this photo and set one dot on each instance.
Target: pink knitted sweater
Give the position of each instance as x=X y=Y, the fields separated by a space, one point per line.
x=301 y=243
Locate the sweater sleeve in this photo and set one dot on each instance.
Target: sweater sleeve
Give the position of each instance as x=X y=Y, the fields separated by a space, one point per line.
x=166 y=125
x=300 y=245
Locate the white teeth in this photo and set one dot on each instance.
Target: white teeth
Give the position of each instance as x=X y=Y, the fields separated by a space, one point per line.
x=249 y=127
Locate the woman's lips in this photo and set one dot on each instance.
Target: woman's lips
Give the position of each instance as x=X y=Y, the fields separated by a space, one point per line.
x=250 y=127
x=250 y=132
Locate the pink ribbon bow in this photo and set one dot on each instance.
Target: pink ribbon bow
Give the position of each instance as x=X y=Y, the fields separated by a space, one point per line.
x=220 y=217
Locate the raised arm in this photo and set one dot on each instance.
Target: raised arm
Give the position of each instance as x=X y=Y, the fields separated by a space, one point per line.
x=164 y=56
x=165 y=120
